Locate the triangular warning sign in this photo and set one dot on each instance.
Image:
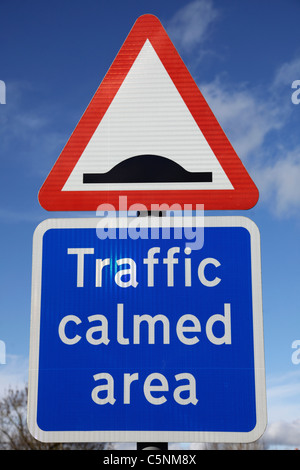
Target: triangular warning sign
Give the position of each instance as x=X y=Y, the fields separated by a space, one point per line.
x=148 y=134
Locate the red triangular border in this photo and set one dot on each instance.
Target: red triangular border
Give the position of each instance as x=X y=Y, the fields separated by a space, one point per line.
x=243 y=196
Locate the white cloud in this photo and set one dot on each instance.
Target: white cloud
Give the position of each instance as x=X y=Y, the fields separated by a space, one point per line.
x=279 y=184
x=254 y=118
x=249 y=115
x=27 y=132
x=283 y=410
x=190 y=25
x=287 y=73
x=283 y=433
x=259 y=124
x=246 y=116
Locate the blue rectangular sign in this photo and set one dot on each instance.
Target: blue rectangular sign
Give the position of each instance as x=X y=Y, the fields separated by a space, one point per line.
x=146 y=338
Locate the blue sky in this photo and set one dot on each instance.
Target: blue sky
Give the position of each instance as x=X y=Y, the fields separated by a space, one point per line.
x=244 y=56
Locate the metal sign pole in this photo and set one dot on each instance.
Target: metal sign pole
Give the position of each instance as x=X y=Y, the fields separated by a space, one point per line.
x=152 y=446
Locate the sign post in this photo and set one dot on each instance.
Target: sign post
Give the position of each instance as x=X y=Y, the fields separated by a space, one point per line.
x=140 y=332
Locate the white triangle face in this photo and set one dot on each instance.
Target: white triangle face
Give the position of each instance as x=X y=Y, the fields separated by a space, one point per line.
x=147 y=117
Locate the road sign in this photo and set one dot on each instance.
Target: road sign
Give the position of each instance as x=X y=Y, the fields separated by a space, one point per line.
x=148 y=134
x=142 y=332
